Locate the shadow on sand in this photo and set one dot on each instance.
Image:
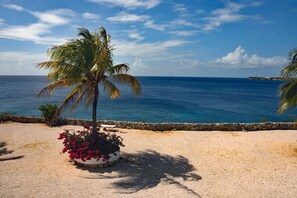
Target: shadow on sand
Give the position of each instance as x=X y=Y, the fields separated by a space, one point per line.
x=144 y=170
x=4 y=151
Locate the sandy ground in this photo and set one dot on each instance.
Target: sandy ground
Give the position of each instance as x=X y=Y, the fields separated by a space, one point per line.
x=154 y=164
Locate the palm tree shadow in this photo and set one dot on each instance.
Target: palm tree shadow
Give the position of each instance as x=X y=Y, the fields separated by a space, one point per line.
x=144 y=170
x=4 y=151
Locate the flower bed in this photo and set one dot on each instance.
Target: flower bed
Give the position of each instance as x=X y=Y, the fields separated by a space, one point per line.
x=86 y=147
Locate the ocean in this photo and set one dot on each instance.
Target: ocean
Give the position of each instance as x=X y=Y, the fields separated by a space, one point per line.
x=163 y=99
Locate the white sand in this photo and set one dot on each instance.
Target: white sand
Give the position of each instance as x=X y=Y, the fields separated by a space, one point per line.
x=163 y=164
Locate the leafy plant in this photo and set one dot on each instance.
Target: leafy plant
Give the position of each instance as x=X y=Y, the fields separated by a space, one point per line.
x=48 y=111
x=288 y=91
x=4 y=114
x=82 y=145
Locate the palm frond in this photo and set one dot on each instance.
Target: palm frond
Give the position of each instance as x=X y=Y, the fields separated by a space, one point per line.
x=83 y=94
x=103 y=34
x=111 y=89
x=84 y=32
x=289 y=71
x=54 y=75
x=56 y=65
x=288 y=94
x=103 y=58
x=78 y=53
x=293 y=55
x=60 y=70
x=68 y=101
x=56 y=84
x=129 y=80
x=118 y=69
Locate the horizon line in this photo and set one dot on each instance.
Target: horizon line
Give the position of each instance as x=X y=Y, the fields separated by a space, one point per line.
x=16 y=75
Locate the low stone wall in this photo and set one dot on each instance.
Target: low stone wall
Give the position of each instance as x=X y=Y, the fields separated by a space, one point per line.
x=164 y=126
x=21 y=119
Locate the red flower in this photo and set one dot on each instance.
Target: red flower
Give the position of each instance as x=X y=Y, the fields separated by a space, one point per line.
x=65 y=149
x=81 y=145
x=61 y=136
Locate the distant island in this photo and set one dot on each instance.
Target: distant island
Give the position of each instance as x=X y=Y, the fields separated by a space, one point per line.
x=265 y=78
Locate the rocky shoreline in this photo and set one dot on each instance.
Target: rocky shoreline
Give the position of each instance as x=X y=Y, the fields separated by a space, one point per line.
x=163 y=126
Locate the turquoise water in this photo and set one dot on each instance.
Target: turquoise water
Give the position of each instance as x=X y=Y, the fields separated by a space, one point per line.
x=163 y=99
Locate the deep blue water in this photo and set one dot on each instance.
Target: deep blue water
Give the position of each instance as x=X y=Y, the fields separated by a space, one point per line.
x=163 y=99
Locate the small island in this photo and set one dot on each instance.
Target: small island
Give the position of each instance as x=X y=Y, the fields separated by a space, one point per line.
x=265 y=78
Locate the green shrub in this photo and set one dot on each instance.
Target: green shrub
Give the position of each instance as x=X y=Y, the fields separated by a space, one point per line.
x=48 y=111
x=4 y=114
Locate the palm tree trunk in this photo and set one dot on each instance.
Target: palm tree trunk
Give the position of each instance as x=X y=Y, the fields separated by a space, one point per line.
x=94 y=116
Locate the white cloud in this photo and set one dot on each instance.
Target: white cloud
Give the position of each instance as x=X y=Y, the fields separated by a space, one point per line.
x=14 y=7
x=126 y=17
x=22 y=56
x=26 y=32
x=184 y=33
x=240 y=59
x=151 y=24
x=235 y=61
x=181 y=9
x=182 y=22
x=199 y=11
x=150 y=58
x=54 y=17
x=150 y=50
x=33 y=32
x=138 y=63
x=14 y=63
x=38 y=32
x=91 y=16
x=171 y=25
x=154 y=58
x=230 y=13
x=130 y=4
x=135 y=35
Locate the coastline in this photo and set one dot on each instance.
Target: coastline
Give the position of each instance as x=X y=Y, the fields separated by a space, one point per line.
x=153 y=164
x=163 y=126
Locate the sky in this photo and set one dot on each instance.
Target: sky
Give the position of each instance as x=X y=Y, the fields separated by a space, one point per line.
x=199 y=38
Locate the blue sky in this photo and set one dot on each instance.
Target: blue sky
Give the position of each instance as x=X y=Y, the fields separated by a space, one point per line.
x=156 y=37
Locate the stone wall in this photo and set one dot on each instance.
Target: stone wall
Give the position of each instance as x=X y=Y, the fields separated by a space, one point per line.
x=165 y=126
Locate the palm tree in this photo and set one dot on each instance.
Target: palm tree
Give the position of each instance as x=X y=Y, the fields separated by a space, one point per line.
x=86 y=64
x=288 y=90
